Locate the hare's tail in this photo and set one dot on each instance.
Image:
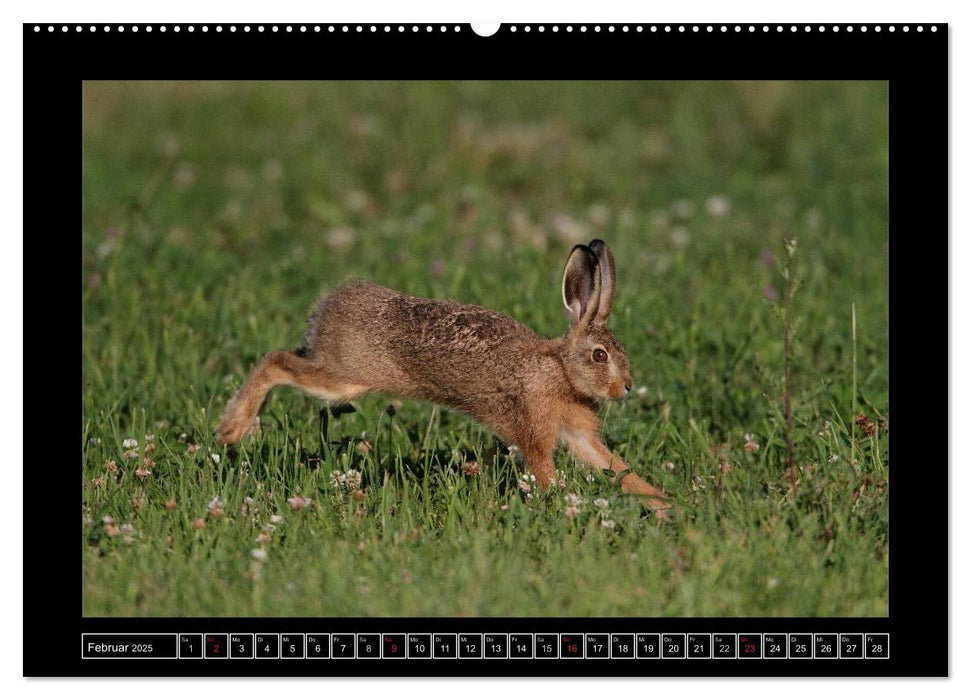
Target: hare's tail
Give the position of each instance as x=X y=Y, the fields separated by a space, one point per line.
x=279 y=367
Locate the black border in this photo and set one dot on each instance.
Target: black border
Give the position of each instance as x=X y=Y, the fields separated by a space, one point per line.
x=914 y=62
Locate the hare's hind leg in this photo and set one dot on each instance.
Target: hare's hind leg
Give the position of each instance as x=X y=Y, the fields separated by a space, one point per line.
x=279 y=367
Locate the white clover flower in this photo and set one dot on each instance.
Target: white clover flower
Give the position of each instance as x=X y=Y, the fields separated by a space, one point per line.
x=277 y=519
x=660 y=219
x=340 y=237
x=249 y=506
x=569 y=229
x=352 y=480
x=214 y=457
x=215 y=507
x=298 y=502
x=258 y=554
x=599 y=215
x=718 y=205
x=573 y=503
x=129 y=443
x=602 y=503
x=680 y=236
x=607 y=524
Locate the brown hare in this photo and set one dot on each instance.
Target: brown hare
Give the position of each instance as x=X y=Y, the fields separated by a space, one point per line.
x=532 y=391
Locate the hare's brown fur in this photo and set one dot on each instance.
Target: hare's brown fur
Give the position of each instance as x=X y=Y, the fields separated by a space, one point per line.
x=532 y=391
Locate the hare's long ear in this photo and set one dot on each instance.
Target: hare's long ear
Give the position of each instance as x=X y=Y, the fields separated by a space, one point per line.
x=581 y=285
x=608 y=274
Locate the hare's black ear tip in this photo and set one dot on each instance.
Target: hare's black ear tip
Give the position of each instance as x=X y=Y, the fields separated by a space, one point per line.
x=581 y=247
x=597 y=245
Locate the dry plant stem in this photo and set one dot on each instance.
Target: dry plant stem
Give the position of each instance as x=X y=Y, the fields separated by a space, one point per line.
x=853 y=397
x=790 y=460
x=148 y=192
x=432 y=417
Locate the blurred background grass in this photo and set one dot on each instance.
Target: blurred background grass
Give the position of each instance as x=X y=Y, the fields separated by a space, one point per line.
x=215 y=213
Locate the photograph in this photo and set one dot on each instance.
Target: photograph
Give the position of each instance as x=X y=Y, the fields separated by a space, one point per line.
x=485 y=349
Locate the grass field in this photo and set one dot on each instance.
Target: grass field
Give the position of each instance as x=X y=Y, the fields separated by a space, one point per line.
x=215 y=214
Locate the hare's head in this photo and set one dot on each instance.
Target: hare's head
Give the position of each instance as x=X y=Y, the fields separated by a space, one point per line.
x=594 y=359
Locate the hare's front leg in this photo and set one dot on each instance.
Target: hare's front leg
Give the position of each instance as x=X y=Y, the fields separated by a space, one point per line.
x=541 y=466
x=534 y=442
x=591 y=450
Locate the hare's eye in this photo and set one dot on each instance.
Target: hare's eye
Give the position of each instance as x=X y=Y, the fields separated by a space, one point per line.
x=599 y=355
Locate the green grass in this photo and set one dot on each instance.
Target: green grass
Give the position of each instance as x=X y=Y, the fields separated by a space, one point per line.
x=216 y=213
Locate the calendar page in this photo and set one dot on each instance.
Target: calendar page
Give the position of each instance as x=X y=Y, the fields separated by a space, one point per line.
x=461 y=349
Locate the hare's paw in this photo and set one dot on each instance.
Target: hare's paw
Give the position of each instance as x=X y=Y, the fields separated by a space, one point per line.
x=232 y=429
x=631 y=483
x=650 y=496
x=662 y=510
